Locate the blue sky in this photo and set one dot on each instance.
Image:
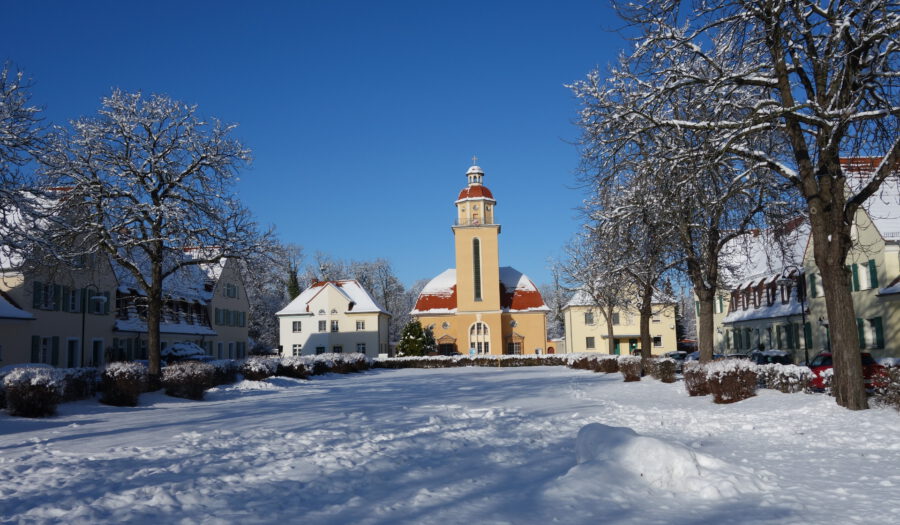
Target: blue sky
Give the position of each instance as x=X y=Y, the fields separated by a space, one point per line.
x=362 y=116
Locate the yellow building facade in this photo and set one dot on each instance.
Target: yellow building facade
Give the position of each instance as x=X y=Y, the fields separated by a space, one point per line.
x=479 y=307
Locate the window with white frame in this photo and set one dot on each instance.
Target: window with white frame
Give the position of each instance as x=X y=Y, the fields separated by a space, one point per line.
x=296 y=350
x=361 y=348
x=615 y=318
x=588 y=317
x=334 y=325
x=323 y=326
x=296 y=326
x=360 y=325
x=657 y=341
x=337 y=349
x=320 y=350
x=589 y=343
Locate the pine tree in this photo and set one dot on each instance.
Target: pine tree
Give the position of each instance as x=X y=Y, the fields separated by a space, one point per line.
x=414 y=340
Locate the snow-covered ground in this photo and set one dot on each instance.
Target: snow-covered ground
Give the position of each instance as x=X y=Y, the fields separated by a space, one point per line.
x=463 y=445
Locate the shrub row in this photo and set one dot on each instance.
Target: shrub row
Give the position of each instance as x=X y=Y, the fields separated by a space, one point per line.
x=33 y=392
x=889 y=393
x=454 y=361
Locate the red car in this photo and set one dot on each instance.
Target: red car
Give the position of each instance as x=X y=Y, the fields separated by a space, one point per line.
x=873 y=373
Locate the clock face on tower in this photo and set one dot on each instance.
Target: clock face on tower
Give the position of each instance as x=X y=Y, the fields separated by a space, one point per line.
x=475 y=207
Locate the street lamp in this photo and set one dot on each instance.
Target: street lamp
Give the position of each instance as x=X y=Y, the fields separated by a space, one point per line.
x=786 y=280
x=87 y=304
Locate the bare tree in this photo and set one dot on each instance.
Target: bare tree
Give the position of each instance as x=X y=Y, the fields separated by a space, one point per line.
x=555 y=296
x=150 y=179
x=267 y=275
x=592 y=270
x=21 y=143
x=817 y=79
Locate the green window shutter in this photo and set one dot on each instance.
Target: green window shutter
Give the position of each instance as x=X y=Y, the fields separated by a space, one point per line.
x=36 y=295
x=854 y=268
x=807 y=335
x=812 y=285
x=879 y=332
x=778 y=336
x=873 y=274
x=54 y=355
x=35 y=349
x=57 y=296
x=66 y=297
x=789 y=335
x=861 y=332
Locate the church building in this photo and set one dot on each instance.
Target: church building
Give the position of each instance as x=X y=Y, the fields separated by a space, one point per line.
x=479 y=307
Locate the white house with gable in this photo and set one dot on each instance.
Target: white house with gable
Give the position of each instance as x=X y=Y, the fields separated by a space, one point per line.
x=333 y=316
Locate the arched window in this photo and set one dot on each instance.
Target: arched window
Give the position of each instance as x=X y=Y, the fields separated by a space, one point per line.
x=479 y=339
x=476 y=267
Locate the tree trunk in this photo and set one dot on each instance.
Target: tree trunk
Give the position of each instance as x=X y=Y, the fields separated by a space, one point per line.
x=849 y=388
x=611 y=339
x=705 y=323
x=646 y=311
x=154 y=315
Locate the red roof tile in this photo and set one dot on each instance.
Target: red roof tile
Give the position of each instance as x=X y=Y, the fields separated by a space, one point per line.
x=476 y=191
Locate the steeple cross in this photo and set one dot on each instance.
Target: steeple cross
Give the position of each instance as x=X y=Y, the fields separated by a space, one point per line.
x=474 y=160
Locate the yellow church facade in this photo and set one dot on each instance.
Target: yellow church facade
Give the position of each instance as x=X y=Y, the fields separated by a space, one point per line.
x=479 y=307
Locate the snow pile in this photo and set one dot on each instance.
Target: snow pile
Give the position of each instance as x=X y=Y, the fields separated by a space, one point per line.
x=618 y=457
x=717 y=369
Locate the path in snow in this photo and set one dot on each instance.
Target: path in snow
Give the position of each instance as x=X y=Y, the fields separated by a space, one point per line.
x=471 y=445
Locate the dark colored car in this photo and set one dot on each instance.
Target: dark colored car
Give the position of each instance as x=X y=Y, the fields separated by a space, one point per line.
x=767 y=357
x=873 y=373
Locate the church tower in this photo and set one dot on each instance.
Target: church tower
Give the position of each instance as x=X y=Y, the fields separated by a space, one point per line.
x=477 y=254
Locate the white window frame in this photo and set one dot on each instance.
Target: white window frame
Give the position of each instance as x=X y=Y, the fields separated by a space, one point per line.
x=296 y=326
x=296 y=349
x=360 y=348
x=360 y=325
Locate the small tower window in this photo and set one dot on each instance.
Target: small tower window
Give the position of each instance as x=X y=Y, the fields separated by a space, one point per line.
x=476 y=267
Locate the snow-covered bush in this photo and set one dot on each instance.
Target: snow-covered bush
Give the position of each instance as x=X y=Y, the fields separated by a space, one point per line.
x=889 y=392
x=259 y=368
x=33 y=392
x=630 y=366
x=293 y=367
x=662 y=368
x=786 y=378
x=338 y=363
x=188 y=379
x=597 y=362
x=123 y=383
x=79 y=383
x=731 y=380
x=695 y=381
x=827 y=376
x=224 y=371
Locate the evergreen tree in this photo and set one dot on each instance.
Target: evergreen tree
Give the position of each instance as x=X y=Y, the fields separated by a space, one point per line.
x=414 y=340
x=293 y=283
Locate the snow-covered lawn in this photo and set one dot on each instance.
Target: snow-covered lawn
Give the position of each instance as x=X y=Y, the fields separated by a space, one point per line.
x=461 y=445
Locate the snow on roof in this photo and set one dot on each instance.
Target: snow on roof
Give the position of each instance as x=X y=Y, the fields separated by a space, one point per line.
x=10 y=311
x=475 y=169
x=891 y=289
x=358 y=299
x=777 y=309
x=764 y=254
x=883 y=207
x=188 y=283
x=517 y=293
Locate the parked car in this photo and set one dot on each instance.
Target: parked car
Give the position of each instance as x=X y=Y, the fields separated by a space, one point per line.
x=767 y=357
x=873 y=374
x=695 y=356
x=678 y=356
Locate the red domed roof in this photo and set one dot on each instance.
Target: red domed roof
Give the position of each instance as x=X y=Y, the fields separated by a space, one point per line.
x=475 y=191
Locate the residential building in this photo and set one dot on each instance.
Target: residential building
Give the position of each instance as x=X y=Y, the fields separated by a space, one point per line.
x=767 y=292
x=479 y=307
x=333 y=316
x=587 y=329
x=874 y=264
